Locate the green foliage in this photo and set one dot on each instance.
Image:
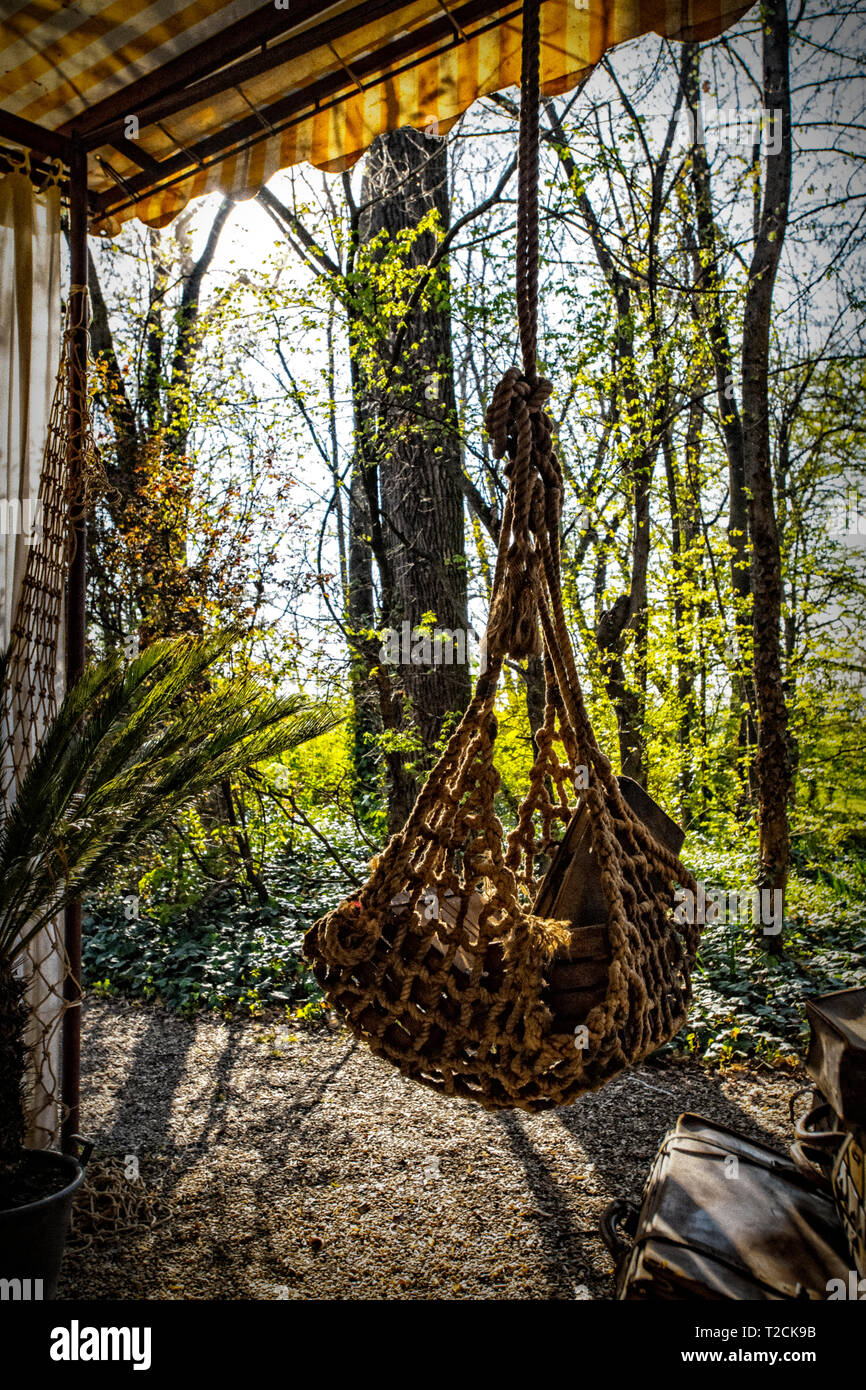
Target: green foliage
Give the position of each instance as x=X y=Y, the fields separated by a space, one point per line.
x=222 y=956
x=212 y=951
x=749 y=1004
x=635 y=392
x=129 y=747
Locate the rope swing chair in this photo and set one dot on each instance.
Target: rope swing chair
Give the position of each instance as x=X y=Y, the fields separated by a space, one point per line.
x=454 y=962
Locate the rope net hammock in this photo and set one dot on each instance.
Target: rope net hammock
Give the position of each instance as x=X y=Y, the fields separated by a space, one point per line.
x=449 y=963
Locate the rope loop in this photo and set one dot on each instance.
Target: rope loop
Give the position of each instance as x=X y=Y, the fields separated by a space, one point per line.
x=521 y=429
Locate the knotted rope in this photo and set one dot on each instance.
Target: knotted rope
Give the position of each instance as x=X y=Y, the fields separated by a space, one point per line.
x=457 y=998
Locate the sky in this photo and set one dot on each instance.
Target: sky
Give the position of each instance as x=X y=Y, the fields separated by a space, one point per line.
x=730 y=113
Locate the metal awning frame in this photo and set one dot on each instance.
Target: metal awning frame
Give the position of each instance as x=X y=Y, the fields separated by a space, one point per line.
x=267 y=40
x=249 y=48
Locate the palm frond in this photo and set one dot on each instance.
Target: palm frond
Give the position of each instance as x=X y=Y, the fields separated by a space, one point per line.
x=130 y=747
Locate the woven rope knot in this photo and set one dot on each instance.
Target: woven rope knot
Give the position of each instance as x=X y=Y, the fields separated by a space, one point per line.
x=539 y=393
x=349 y=934
x=499 y=411
x=519 y=426
x=512 y=399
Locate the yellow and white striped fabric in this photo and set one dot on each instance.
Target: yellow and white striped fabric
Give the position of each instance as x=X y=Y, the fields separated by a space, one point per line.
x=59 y=58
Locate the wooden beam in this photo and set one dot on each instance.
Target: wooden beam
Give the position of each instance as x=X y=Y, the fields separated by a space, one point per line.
x=10 y=162
x=402 y=54
x=33 y=137
x=222 y=49
x=290 y=49
x=131 y=150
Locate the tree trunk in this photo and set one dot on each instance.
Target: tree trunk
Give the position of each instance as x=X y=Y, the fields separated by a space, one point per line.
x=772 y=767
x=407 y=428
x=684 y=507
x=360 y=619
x=150 y=440
x=708 y=286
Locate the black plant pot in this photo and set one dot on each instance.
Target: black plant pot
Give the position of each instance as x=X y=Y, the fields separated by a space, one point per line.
x=32 y=1236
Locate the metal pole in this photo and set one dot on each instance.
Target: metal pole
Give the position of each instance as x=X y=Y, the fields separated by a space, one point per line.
x=75 y=596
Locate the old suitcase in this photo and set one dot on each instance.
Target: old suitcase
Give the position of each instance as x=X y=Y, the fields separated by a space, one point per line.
x=849 y=1189
x=819 y=1135
x=725 y=1218
x=836 y=1060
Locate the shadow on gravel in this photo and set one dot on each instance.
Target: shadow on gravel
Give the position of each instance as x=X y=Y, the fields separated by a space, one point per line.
x=310 y=1097
x=563 y=1242
x=617 y=1131
x=603 y=1123
x=154 y=1072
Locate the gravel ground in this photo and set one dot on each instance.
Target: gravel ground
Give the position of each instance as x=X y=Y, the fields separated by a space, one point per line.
x=287 y=1164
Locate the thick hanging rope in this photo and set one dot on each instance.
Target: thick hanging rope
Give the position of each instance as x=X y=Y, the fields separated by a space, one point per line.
x=440 y=964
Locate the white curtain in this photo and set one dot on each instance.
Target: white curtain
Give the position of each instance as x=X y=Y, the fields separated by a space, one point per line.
x=30 y=337
x=29 y=353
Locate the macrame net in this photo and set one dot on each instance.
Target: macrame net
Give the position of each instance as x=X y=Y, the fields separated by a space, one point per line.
x=34 y=682
x=457 y=994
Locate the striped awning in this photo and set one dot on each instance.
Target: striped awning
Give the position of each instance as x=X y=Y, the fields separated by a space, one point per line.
x=176 y=98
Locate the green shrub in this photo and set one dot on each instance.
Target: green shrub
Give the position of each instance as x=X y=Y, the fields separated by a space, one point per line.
x=750 y=1004
x=219 y=953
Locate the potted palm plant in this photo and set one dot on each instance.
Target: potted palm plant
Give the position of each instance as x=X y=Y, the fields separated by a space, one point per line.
x=129 y=746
